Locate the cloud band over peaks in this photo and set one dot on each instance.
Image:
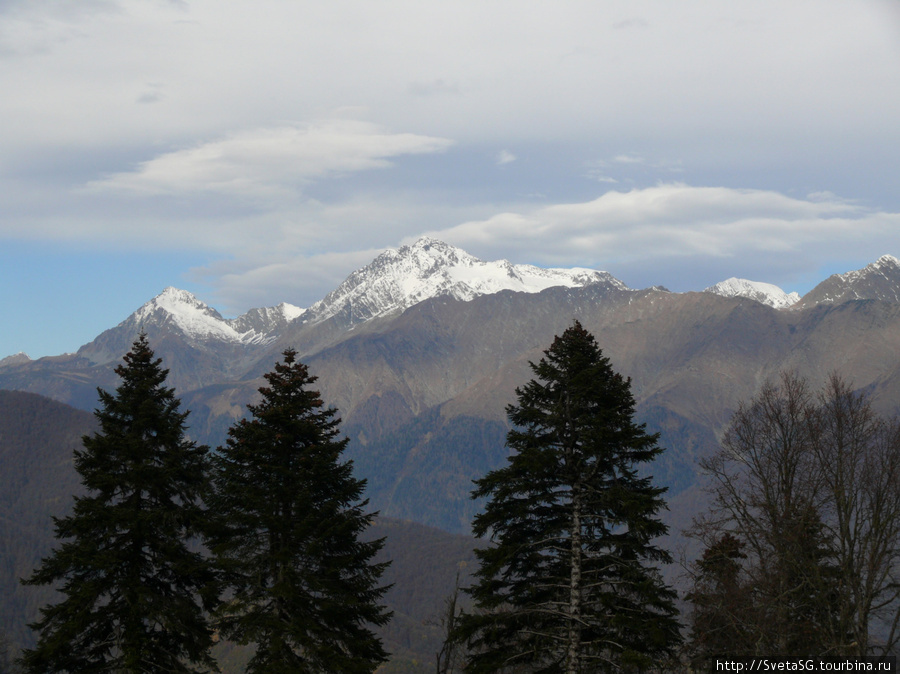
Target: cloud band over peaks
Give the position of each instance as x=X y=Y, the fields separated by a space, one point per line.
x=675 y=221
x=260 y=161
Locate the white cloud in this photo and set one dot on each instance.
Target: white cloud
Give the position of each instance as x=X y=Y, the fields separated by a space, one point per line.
x=676 y=235
x=629 y=167
x=628 y=159
x=188 y=122
x=677 y=221
x=474 y=71
x=505 y=157
x=261 y=161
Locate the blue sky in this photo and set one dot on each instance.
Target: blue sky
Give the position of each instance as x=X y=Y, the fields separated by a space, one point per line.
x=255 y=153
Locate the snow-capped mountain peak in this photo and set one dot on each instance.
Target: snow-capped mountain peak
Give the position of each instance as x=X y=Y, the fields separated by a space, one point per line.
x=398 y=279
x=765 y=293
x=192 y=321
x=197 y=320
x=883 y=266
x=879 y=280
x=183 y=310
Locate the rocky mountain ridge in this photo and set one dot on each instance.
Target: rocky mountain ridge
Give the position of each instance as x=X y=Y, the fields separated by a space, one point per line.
x=422 y=390
x=391 y=283
x=399 y=279
x=199 y=321
x=879 y=280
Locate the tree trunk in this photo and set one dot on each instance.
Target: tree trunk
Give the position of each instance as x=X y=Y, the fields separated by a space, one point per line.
x=573 y=655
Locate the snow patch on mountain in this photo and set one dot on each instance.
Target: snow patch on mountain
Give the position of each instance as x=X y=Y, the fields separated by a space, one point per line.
x=399 y=279
x=879 y=280
x=765 y=293
x=884 y=267
x=394 y=281
x=181 y=309
x=199 y=321
x=258 y=325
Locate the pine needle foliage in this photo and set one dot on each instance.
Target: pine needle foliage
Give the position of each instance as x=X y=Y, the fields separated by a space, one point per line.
x=303 y=587
x=134 y=590
x=571 y=582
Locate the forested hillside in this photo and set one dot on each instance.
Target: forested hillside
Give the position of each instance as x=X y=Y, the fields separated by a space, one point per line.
x=422 y=390
x=37 y=438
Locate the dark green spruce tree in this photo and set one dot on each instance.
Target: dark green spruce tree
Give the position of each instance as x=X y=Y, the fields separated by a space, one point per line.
x=303 y=587
x=571 y=582
x=134 y=592
x=723 y=612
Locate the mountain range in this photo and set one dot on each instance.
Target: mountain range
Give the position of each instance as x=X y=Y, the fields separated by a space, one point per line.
x=422 y=349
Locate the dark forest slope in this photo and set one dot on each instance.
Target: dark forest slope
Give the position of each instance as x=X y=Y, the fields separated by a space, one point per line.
x=37 y=481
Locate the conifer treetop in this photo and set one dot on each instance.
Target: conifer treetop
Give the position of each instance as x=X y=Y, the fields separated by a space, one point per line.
x=304 y=589
x=135 y=593
x=571 y=583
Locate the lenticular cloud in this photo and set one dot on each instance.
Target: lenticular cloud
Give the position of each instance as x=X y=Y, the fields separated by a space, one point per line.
x=272 y=159
x=674 y=220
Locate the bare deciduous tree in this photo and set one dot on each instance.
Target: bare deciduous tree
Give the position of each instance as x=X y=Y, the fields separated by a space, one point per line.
x=448 y=659
x=810 y=487
x=858 y=453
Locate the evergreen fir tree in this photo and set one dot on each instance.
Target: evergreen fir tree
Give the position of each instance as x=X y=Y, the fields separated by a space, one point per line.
x=797 y=589
x=570 y=584
x=304 y=588
x=134 y=592
x=722 y=619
